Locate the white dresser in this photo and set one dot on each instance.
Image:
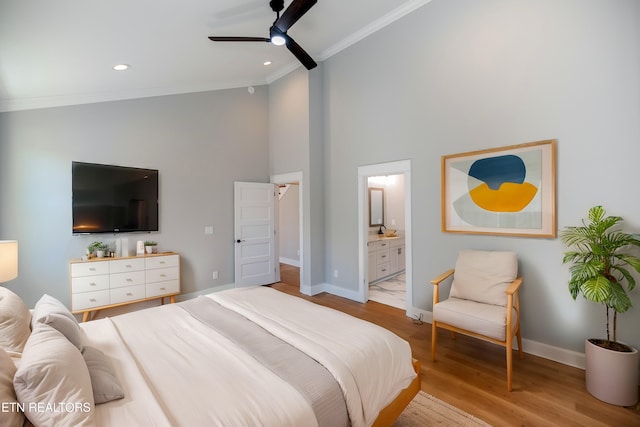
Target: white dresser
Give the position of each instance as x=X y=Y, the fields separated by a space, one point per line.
x=386 y=258
x=109 y=282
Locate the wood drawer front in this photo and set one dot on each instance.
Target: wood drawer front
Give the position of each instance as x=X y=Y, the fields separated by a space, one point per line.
x=89 y=268
x=125 y=265
x=163 y=274
x=129 y=293
x=89 y=283
x=383 y=270
x=120 y=280
x=86 y=300
x=382 y=256
x=162 y=261
x=163 y=288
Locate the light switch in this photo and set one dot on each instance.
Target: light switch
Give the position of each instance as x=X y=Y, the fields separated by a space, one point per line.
x=208 y=229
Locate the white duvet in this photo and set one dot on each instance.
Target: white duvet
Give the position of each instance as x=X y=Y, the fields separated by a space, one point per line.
x=175 y=371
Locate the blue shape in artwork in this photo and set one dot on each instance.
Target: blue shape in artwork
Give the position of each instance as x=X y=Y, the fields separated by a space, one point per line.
x=494 y=171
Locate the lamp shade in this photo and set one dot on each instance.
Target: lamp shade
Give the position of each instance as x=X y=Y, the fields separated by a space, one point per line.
x=8 y=260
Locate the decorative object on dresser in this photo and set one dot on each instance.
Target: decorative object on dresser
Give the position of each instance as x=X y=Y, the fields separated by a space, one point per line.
x=100 y=284
x=483 y=301
x=603 y=261
x=150 y=247
x=386 y=258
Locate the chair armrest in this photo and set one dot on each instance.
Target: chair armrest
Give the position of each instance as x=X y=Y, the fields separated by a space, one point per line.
x=441 y=277
x=513 y=287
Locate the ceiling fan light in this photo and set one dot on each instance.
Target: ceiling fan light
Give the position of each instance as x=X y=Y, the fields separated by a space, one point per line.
x=278 y=40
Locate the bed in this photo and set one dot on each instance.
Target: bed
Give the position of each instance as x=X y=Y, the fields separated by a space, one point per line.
x=242 y=357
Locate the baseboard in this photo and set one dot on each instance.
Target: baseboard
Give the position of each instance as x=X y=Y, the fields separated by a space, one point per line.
x=339 y=291
x=290 y=261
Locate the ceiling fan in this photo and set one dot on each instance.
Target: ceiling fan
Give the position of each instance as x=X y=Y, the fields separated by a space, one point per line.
x=278 y=31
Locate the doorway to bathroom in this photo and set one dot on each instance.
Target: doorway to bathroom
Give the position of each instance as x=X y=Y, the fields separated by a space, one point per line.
x=385 y=234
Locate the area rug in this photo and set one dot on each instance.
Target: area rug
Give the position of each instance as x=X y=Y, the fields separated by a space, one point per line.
x=426 y=410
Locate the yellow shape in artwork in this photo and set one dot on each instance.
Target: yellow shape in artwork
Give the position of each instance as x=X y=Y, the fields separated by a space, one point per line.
x=510 y=197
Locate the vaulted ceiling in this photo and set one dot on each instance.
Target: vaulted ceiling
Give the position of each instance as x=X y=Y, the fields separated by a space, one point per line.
x=62 y=52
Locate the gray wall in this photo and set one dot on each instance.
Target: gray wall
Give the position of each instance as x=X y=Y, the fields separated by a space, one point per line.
x=464 y=75
x=201 y=143
x=289 y=225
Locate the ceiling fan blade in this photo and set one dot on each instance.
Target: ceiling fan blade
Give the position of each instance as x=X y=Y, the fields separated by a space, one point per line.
x=293 y=13
x=238 y=39
x=299 y=53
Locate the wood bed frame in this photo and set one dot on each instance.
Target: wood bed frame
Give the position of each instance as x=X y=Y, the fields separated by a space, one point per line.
x=392 y=411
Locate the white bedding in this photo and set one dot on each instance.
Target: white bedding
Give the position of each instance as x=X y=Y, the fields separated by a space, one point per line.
x=175 y=371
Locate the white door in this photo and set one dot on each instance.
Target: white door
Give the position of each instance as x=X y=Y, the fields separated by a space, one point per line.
x=256 y=249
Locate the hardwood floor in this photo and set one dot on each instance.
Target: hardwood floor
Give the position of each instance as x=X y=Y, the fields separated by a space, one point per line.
x=470 y=374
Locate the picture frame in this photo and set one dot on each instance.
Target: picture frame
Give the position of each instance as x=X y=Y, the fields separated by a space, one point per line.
x=501 y=191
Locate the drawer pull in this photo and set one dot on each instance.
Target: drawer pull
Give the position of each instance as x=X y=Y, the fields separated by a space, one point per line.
x=92 y=299
x=162 y=262
x=163 y=275
x=163 y=289
x=129 y=280
x=384 y=269
x=92 y=269
x=129 y=294
x=128 y=265
x=92 y=284
x=383 y=256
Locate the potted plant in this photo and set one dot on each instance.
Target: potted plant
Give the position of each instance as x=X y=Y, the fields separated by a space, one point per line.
x=99 y=248
x=150 y=246
x=601 y=270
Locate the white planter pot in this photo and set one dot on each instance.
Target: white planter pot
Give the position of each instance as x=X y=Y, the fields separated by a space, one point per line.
x=611 y=376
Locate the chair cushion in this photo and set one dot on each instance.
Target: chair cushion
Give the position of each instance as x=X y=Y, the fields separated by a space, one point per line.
x=485 y=319
x=483 y=276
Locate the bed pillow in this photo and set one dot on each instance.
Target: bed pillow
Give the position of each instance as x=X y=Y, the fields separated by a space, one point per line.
x=53 y=382
x=10 y=415
x=104 y=382
x=15 y=319
x=52 y=312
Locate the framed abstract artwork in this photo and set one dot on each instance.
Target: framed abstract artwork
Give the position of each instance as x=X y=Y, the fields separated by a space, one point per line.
x=506 y=191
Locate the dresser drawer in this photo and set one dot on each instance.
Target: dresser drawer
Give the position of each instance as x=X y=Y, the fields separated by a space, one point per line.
x=162 y=261
x=383 y=269
x=89 y=283
x=163 y=274
x=382 y=244
x=130 y=293
x=125 y=265
x=120 y=280
x=86 y=300
x=79 y=269
x=163 y=288
x=382 y=256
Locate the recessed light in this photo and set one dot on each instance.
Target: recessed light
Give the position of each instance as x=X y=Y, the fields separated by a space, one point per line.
x=121 y=67
x=267 y=62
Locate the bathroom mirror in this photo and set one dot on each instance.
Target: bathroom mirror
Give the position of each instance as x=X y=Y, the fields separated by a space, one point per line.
x=376 y=206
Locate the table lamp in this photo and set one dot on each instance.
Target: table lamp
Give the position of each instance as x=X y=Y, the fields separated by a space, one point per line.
x=8 y=260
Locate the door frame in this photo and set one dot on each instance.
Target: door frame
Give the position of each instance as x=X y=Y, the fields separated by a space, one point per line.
x=288 y=178
x=401 y=167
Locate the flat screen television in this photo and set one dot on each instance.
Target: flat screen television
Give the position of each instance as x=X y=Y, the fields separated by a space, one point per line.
x=113 y=199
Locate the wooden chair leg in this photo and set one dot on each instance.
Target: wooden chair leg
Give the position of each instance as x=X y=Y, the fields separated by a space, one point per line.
x=519 y=343
x=434 y=339
x=509 y=350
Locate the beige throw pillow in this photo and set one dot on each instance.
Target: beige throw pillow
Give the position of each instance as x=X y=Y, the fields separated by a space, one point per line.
x=52 y=382
x=14 y=321
x=10 y=414
x=52 y=312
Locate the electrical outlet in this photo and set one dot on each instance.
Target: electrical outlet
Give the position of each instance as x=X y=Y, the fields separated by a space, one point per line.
x=208 y=229
x=335 y=273
x=215 y=275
